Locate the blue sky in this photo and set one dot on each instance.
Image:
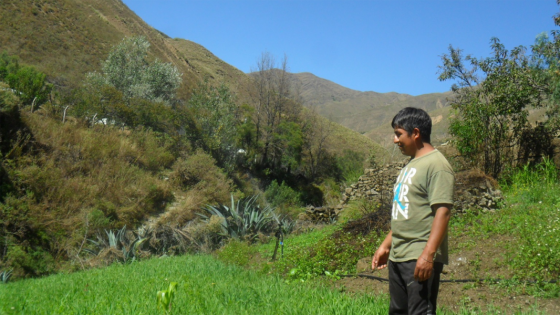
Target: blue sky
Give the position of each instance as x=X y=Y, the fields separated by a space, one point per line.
x=375 y=45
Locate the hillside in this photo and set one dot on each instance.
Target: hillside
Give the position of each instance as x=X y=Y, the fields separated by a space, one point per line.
x=368 y=113
x=68 y=38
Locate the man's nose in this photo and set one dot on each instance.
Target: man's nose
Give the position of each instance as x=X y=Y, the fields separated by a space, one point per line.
x=395 y=139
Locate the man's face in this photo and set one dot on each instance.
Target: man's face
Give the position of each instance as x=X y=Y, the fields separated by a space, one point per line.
x=405 y=141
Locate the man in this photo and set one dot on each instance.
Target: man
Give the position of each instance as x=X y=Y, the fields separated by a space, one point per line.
x=416 y=247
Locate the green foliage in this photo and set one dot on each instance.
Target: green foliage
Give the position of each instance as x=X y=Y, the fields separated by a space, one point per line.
x=287 y=142
x=26 y=81
x=357 y=209
x=9 y=102
x=128 y=70
x=282 y=195
x=236 y=252
x=351 y=166
x=492 y=102
x=165 y=297
x=242 y=219
x=546 y=66
x=109 y=106
x=207 y=287
x=216 y=114
x=530 y=223
x=334 y=252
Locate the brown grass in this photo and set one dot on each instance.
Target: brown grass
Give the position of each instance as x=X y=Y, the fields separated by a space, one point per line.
x=74 y=181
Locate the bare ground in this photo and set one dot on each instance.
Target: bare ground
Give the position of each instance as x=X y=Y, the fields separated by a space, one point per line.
x=483 y=260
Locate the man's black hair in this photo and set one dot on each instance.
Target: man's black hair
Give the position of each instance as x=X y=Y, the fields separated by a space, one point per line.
x=409 y=118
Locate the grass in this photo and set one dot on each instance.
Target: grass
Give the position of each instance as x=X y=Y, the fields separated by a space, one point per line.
x=306 y=256
x=206 y=286
x=530 y=221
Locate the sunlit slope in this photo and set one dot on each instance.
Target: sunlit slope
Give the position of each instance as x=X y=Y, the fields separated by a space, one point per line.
x=365 y=112
x=207 y=66
x=68 y=38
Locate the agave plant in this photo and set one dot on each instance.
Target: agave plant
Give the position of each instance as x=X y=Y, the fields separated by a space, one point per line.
x=288 y=225
x=241 y=219
x=119 y=241
x=5 y=275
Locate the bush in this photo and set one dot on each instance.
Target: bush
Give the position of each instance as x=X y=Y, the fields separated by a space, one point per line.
x=334 y=252
x=282 y=195
x=8 y=100
x=26 y=81
x=236 y=252
x=351 y=165
x=200 y=174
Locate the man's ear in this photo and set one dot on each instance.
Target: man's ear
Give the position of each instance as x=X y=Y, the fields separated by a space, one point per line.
x=416 y=134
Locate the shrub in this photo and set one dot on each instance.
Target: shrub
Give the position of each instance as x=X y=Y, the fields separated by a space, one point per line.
x=282 y=195
x=8 y=100
x=116 y=246
x=351 y=165
x=200 y=174
x=333 y=252
x=26 y=81
x=236 y=252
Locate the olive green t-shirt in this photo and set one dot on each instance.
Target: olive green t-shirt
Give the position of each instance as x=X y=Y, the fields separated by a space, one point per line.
x=423 y=182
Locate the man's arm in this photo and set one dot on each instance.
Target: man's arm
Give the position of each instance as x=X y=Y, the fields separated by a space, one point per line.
x=425 y=263
x=381 y=255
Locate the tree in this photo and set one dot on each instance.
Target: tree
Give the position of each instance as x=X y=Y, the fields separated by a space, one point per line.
x=491 y=99
x=276 y=108
x=216 y=115
x=128 y=70
x=317 y=131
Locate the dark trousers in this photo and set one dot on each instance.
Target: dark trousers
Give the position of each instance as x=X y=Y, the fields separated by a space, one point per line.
x=409 y=296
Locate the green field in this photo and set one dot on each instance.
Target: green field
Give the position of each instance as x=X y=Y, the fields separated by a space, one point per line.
x=206 y=286
x=209 y=286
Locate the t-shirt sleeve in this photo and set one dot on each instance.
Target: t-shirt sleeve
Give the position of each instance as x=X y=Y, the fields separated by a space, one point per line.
x=441 y=187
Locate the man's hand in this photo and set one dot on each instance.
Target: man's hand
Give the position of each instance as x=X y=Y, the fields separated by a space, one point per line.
x=380 y=258
x=424 y=267
x=425 y=263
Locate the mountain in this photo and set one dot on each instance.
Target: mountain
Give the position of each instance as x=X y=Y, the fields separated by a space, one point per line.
x=66 y=39
x=369 y=113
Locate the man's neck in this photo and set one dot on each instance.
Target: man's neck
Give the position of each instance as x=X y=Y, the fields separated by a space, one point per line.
x=422 y=149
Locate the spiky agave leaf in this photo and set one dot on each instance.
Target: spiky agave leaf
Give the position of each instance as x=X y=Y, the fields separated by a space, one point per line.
x=243 y=218
x=5 y=275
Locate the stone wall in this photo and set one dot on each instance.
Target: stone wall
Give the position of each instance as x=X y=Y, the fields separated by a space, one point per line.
x=473 y=189
x=321 y=214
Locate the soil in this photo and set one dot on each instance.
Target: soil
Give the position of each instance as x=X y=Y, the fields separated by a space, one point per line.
x=486 y=260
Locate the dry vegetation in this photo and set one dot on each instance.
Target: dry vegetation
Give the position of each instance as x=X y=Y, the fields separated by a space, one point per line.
x=69 y=182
